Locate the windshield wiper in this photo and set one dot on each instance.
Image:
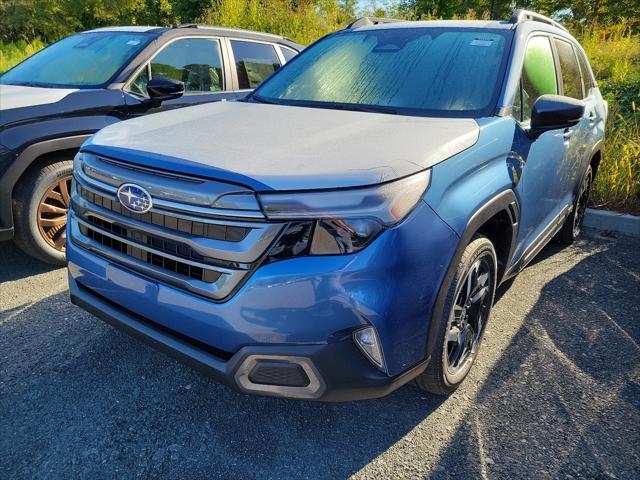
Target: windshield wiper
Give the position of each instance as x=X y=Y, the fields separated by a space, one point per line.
x=260 y=99
x=354 y=107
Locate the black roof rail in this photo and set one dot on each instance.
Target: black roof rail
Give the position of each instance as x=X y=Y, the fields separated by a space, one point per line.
x=368 y=21
x=522 y=15
x=187 y=25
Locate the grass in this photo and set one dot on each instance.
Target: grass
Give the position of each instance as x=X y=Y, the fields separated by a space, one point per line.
x=13 y=53
x=614 y=55
x=613 y=52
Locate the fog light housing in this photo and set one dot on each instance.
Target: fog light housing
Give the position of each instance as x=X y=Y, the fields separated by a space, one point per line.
x=367 y=341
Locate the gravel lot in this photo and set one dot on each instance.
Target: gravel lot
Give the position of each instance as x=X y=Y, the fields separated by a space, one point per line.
x=556 y=392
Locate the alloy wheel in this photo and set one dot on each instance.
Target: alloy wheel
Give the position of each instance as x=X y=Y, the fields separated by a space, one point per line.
x=52 y=213
x=581 y=204
x=469 y=315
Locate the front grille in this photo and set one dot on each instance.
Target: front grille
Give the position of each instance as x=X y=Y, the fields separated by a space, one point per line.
x=192 y=246
x=229 y=233
x=156 y=259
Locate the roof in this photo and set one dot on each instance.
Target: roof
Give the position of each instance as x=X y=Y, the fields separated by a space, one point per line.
x=495 y=24
x=133 y=29
x=197 y=29
x=230 y=31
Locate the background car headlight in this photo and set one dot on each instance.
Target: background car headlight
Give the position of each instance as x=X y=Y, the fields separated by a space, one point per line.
x=334 y=222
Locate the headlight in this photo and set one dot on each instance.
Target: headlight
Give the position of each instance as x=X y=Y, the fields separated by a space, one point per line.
x=344 y=220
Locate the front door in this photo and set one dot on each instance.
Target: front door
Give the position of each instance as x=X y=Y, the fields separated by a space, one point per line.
x=541 y=187
x=195 y=61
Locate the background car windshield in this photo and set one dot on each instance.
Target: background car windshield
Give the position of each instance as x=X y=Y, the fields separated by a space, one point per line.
x=432 y=70
x=83 y=60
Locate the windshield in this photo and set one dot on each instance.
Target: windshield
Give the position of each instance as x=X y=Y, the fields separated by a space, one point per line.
x=413 y=71
x=85 y=60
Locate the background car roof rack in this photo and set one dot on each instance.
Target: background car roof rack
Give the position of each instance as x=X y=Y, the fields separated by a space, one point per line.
x=187 y=25
x=368 y=21
x=522 y=15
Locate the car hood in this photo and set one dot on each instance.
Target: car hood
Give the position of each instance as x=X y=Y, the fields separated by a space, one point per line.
x=273 y=147
x=17 y=96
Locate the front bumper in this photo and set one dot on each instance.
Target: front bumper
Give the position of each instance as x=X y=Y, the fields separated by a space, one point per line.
x=343 y=373
x=304 y=307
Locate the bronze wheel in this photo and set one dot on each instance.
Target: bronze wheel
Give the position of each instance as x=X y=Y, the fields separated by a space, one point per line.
x=52 y=213
x=40 y=204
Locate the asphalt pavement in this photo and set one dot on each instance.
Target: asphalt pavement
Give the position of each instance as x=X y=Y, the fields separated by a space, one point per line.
x=554 y=394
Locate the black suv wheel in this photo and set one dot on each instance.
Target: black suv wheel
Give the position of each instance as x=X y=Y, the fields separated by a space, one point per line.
x=467 y=309
x=572 y=226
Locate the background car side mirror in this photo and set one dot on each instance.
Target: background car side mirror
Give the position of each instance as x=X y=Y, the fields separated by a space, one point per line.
x=163 y=88
x=551 y=112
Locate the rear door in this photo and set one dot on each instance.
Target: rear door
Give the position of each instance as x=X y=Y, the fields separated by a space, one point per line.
x=198 y=62
x=578 y=138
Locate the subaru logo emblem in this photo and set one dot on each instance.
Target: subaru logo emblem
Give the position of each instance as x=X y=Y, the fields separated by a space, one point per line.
x=134 y=198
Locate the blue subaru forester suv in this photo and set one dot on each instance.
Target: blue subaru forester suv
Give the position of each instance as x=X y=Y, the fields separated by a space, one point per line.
x=343 y=229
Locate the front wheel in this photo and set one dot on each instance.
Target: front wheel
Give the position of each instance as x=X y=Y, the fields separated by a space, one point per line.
x=466 y=312
x=40 y=208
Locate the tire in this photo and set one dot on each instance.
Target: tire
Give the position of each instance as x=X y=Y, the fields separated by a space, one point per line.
x=40 y=204
x=573 y=224
x=443 y=375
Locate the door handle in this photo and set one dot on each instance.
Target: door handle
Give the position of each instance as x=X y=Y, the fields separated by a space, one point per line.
x=592 y=118
x=566 y=135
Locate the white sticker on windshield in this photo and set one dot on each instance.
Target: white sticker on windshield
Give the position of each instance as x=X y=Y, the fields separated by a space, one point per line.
x=481 y=43
x=133 y=42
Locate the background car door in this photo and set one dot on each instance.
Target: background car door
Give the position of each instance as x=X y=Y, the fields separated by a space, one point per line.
x=540 y=189
x=195 y=61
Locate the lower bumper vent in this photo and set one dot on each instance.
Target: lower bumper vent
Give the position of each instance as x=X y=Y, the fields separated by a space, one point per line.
x=279 y=373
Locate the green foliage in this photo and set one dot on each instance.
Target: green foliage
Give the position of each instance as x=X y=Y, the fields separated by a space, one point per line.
x=574 y=13
x=302 y=21
x=13 y=53
x=614 y=54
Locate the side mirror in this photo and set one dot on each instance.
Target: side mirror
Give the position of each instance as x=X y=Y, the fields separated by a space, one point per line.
x=163 y=88
x=552 y=112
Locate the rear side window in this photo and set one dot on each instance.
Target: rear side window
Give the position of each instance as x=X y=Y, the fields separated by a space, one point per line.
x=538 y=76
x=254 y=62
x=194 y=61
x=571 y=80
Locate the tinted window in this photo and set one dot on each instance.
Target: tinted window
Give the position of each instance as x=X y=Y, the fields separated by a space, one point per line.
x=538 y=74
x=586 y=75
x=288 y=53
x=254 y=62
x=411 y=70
x=571 y=80
x=83 y=60
x=194 y=61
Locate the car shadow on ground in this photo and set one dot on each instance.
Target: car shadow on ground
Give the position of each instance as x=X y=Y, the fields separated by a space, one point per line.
x=15 y=265
x=80 y=399
x=563 y=401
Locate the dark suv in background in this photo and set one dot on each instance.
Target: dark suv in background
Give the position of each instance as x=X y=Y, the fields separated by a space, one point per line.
x=53 y=101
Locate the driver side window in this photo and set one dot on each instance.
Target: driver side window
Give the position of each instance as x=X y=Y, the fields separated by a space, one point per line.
x=195 y=61
x=538 y=77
